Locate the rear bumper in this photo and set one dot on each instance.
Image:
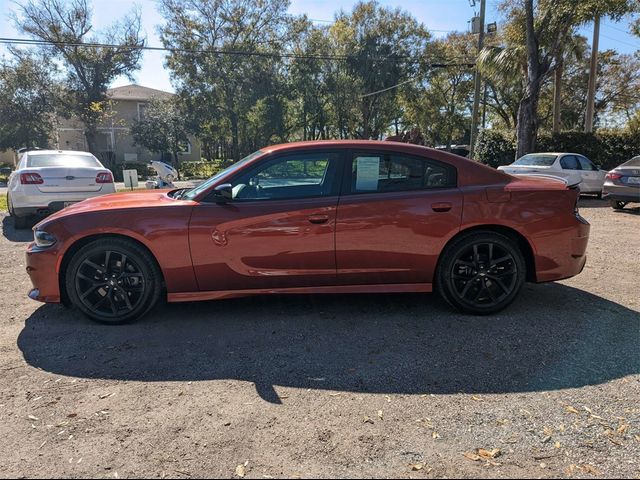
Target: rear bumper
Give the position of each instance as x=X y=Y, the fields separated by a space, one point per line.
x=42 y=268
x=562 y=254
x=621 y=194
x=33 y=203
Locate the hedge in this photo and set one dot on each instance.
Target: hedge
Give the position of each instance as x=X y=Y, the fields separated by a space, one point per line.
x=608 y=149
x=202 y=169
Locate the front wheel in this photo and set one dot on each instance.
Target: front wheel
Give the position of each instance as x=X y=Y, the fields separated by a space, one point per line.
x=481 y=273
x=113 y=281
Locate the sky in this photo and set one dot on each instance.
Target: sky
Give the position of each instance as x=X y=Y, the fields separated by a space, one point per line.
x=439 y=16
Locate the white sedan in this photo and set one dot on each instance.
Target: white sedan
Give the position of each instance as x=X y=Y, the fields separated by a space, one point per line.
x=49 y=180
x=573 y=167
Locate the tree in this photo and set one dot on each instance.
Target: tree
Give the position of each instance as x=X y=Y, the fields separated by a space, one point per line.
x=383 y=46
x=162 y=129
x=30 y=97
x=441 y=105
x=224 y=88
x=540 y=29
x=64 y=27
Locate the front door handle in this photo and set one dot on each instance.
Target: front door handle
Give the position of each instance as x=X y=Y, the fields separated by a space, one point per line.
x=441 y=206
x=319 y=219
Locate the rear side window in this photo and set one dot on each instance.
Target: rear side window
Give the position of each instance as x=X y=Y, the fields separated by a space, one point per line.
x=570 y=162
x=398 y=173
x=61 y=160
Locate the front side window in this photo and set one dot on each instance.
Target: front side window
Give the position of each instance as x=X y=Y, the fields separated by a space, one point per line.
x=292 y=176
x=397 y=173
x=569 y=162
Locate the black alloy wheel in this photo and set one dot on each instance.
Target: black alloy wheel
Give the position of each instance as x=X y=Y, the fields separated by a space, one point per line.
x=481 y=273
x=113 y=281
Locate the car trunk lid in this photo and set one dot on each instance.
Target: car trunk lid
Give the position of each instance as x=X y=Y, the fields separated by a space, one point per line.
x=68 y=180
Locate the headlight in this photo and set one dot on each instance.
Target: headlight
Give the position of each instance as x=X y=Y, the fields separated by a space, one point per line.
x=43 y=239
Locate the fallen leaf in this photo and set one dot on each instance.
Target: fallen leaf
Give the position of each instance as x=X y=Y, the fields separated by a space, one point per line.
x=472 y=456
x=31 y=417
x=570 y=409
x=476 y=399
x=380 y=414
x=241 y=470
x=106 y=395
x=548 y=431
x=622 y=429
x=493 y=453
x=367 y=420
x=435 y=435
x=557 y=445
x=72 y=415
x=416 y=466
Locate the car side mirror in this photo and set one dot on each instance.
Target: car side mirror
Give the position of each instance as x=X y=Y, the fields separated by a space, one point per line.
x=223 y=193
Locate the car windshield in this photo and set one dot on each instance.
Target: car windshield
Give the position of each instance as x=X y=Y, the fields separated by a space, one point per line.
x=536 y=160
x=194 y=192
x=62 y=160
x=634 y=162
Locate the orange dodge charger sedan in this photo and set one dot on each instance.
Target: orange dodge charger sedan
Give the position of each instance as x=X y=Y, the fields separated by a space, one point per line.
x=314 y=217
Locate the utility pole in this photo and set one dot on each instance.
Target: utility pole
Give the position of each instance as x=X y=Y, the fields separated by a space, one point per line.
x=591 y=92
x=557 y=95
x=478 y=80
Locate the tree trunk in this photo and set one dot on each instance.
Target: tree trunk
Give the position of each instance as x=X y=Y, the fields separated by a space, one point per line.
x=90 y=135
x=176 y=162
x=235 y=148
x=527 y=130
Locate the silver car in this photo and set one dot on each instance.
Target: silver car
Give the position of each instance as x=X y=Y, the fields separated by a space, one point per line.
x=622 y=184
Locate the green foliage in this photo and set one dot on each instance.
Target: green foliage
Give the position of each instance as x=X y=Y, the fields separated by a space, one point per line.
x=144 y=171
x=495 y=148
x=29 y=97
x=202 y=169
x=162 y=129
x=608 y=149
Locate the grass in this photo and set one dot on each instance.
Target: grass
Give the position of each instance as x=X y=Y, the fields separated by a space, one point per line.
x=3 y=203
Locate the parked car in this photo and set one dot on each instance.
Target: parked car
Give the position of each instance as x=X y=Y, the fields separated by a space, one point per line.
x=49 y=180
x=314 y=217
x=576 y=169
x=622 y=184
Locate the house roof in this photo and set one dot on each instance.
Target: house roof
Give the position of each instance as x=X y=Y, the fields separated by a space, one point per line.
x=135 y=92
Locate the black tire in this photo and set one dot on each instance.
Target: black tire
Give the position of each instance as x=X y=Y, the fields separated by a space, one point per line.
x=19 y=223
x=481 y=272
x=113 y=281
x=599 y=195
x=617 y=205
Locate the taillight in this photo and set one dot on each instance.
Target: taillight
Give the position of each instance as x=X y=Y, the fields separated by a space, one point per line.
x=613 y=176
x=104 y=177
x=31 y=179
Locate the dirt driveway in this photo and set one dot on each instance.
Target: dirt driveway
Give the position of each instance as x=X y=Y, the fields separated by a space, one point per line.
x=317 y=386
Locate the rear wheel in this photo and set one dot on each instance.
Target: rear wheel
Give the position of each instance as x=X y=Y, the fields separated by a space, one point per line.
x=481 y=273
x=617 y=205
x=113 y=281
x=18 y=222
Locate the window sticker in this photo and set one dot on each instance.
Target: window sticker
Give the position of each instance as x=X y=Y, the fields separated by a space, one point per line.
x=367 y=173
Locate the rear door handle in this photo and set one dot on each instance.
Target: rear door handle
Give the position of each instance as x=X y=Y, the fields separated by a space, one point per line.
x=319 y=219
x=441 y=206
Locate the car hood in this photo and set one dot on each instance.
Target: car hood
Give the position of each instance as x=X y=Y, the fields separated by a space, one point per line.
x=119 y=201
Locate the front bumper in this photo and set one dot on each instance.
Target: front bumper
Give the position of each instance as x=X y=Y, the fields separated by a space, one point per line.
x=43 y=268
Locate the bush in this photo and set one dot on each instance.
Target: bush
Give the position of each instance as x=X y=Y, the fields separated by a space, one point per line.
x=202 y=169
x=606 y=148
x=495 y=148
x=144 y=171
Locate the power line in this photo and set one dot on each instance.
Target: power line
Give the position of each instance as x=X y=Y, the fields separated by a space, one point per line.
x=413 y=80
x=24 y=41
x=620 y=41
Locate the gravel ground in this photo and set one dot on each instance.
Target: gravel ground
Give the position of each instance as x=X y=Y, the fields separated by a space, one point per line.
x=332 y=386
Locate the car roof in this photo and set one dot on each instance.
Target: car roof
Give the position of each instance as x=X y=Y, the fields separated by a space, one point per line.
x=60 y=152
